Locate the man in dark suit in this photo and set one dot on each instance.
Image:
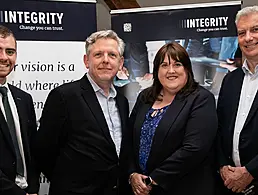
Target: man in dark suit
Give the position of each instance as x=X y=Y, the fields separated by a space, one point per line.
x=238 y=113
x=80 y=144
x=18 y=175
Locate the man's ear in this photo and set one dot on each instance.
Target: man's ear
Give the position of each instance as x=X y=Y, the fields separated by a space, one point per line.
x=85 y=60
x=121 y=63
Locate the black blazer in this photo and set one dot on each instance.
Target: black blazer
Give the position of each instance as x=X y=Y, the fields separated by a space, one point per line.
x=27 y=119
x=73 y=146
x=227 y=111
x=181 y=151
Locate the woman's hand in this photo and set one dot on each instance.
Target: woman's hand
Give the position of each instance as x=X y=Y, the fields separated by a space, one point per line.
x=138 y=186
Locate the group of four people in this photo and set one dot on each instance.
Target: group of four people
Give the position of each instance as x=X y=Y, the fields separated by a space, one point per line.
x=86 y=143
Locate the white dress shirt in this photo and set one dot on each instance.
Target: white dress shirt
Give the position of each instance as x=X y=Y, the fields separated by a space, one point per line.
x=111 y=113
x=19 y=180
x=248 y=92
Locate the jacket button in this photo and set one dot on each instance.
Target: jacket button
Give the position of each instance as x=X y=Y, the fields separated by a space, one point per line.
x=13 y=163
x=114 y=187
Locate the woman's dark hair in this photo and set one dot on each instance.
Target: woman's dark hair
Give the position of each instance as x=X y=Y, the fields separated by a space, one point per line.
x=178 y=53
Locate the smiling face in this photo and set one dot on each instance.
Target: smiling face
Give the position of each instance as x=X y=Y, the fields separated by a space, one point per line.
x=172 y=75
x=103 y=60
x=7 y=56
x=247 y=28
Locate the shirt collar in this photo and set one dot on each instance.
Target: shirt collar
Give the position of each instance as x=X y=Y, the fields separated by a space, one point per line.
x=96 y=88
x=5 y=85
x=246 y=69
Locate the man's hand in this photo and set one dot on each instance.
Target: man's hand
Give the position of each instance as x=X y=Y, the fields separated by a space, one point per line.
x=138 y=186
x=225 y=172
x=239 y=179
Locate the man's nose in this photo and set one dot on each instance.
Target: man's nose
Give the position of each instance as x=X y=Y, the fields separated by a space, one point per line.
x=105 y=57
x=3 y=55
x=248 y=36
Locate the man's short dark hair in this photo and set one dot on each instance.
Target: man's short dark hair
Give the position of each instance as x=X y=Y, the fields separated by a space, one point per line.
x=6 y=32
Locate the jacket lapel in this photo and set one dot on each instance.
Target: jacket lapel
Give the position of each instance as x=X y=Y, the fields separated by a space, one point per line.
x=123 y=112
x=236 y=92
x=21 y=110
x=165 y=125
x=138 y=126
x=6 y=133
x=252 y=111
x=92 y=102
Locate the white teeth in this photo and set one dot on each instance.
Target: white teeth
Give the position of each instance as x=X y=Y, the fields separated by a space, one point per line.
x=171 y=78
x=250 y=46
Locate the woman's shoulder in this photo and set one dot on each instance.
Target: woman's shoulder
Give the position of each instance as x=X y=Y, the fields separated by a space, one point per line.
x=143 y=95
x=201 y=93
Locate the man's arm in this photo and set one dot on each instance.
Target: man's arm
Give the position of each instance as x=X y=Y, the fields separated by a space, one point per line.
x=8 y=187
x=222 y=158
x=32 y=171
x=50 y=135
x=135 y=179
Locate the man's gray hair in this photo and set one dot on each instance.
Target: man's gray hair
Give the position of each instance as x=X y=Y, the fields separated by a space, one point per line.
x=246 y=11
x=104 y=34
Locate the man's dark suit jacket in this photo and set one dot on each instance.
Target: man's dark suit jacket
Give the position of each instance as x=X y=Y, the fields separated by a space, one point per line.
x=74 y=148
x=182 y=147
x=227 y=111
x=28 y=128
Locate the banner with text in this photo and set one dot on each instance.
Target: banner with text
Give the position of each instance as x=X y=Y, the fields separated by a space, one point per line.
x=50 y=46
x=207 y=31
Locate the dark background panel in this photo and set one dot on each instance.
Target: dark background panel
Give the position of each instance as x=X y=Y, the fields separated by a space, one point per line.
x=167 y=25
x=78 y=22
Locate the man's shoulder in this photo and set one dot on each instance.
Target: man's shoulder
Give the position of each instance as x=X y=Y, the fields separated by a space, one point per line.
x=235 y=73
x=233 y=78
x=17 y=91
x=68 y=86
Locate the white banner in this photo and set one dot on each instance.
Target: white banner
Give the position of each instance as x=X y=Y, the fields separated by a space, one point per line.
x=50 y=46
